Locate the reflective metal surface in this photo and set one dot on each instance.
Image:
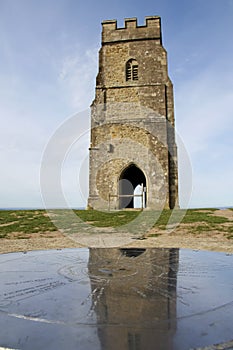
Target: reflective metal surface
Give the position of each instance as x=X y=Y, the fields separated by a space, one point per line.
x=118 y=299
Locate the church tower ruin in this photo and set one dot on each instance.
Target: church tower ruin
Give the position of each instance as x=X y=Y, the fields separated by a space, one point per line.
x=132 y=121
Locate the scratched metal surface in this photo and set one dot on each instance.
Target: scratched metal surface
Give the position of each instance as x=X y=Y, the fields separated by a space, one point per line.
x=101 y=299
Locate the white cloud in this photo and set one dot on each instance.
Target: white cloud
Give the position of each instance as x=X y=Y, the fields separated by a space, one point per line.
x=29 y=119
x=77 y=77
x=204 y=120
x=203 y=112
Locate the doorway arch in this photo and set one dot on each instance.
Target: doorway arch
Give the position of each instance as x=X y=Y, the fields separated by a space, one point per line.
x=130 y=178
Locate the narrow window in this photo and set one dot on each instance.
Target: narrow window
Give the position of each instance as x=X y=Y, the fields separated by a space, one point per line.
x=134 y=342
x=131 y=70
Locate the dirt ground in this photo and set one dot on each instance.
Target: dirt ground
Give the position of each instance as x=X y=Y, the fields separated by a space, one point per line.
x=179 y=238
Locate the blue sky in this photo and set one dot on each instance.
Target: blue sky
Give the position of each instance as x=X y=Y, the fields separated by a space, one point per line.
x=49 y=58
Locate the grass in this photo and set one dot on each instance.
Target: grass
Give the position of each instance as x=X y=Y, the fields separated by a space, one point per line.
x=33 y=221
x=107 y=219
x=196 y=215
x=155 y=234
x=189 y=216
x=200 y=220
x=24 y=221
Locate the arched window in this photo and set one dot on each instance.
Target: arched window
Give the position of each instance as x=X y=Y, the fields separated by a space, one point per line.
x=131 y=70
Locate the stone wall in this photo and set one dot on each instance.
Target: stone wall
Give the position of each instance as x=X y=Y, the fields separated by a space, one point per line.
x=133 y=120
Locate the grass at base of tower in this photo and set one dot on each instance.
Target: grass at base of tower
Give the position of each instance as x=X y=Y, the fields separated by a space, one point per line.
x=211 y=229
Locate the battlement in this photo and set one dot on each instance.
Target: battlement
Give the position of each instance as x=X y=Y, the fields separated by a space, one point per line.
x=131 y=31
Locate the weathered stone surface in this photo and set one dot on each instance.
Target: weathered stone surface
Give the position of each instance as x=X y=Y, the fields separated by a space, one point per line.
x=133 y=117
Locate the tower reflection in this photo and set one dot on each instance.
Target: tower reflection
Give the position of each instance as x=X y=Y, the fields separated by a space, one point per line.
x=134 y=290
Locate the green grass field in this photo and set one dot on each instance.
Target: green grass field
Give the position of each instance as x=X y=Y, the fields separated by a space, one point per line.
x=38 y=221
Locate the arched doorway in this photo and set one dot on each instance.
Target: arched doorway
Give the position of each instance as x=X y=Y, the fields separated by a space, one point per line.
x=129 y=179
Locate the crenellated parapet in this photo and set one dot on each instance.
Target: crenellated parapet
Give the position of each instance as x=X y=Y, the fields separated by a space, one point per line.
x=131 y=31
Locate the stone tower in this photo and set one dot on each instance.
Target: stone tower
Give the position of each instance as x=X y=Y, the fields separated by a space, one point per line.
x=132 y=121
